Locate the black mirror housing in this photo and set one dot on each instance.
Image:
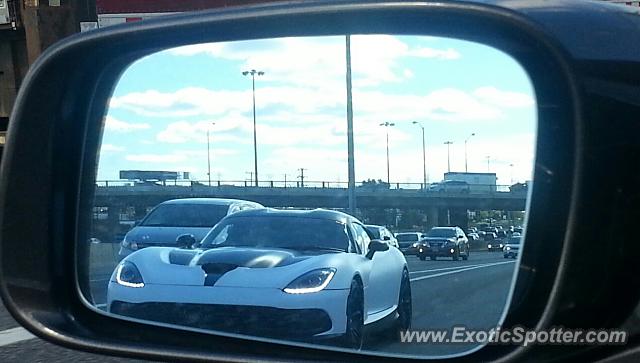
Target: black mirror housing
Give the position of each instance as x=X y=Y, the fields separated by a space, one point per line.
x=376 y=246
x=186 y=240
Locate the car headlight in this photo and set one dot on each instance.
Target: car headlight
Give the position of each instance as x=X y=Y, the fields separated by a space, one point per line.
x=129 y=244
x=501 y=245
x=489 y=246
x=312 y=281
x=507 y=248
x=416 y=244
x=128 y=275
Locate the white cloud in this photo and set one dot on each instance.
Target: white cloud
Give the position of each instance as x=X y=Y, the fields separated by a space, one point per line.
x=111 y=148
x=317 y=61
x=502 y=98
x=113 y=124
x=184 y=131
x=157 y=158
x=444 y=54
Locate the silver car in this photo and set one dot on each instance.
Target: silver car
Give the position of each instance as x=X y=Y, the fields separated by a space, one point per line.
x=173 y=218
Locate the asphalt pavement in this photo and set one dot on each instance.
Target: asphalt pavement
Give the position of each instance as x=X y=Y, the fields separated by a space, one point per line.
x=470 y=293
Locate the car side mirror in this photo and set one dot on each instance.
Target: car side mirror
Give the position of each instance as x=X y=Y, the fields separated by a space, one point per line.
x=376 y=246
x=386 y=238
x=186 y=240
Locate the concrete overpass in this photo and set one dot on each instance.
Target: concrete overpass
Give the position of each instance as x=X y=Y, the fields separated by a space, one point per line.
x=150 y=195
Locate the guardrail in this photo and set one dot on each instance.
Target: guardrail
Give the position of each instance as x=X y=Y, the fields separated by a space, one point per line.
x=429 y=187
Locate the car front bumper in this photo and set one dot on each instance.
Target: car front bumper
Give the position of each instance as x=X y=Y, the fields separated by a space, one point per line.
x=409 y=250
x=437 y=252
x=266 y=312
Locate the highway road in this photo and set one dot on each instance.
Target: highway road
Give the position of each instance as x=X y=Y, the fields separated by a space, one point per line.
x=471 y=293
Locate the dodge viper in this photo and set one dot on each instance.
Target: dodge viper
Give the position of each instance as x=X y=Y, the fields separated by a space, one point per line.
x=311 y=275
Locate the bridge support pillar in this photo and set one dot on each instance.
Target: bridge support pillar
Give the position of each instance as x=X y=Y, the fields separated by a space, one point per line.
x=454 y=217
x=433 y=217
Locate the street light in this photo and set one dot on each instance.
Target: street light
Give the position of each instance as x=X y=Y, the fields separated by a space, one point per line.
x=488 y=163
x=386 y=127
x=253 y=74
x=466 y=170
x=209 y=155
x=448 y=143
x=424 y=155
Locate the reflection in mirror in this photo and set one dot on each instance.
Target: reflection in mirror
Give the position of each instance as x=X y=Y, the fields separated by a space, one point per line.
x=230 y=197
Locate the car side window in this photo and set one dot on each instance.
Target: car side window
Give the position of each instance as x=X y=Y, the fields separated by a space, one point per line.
x=362 y=237
x=354 y=246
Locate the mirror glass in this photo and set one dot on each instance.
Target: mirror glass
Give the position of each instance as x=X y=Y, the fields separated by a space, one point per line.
x=283 y=159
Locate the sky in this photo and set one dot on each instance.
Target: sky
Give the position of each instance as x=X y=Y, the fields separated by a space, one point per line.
x=164 y=105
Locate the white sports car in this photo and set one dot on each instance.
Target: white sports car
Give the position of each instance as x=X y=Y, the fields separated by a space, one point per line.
x=306 y=275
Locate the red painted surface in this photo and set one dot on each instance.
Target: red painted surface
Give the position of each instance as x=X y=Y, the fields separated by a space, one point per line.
x=163 y=6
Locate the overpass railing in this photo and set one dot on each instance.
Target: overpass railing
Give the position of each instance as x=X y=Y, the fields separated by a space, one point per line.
x=429 y=187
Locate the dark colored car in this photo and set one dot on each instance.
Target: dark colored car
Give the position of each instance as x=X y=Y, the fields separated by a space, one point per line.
x=512 y=247
x=444 y=242
x=408 y=242
x=493 y=242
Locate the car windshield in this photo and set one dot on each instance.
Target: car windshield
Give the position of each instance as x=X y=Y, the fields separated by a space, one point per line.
x=514 y=241
x=186 y=215
x=441 y=232
x=375 y=232
x=407 y=237
x=298 y=233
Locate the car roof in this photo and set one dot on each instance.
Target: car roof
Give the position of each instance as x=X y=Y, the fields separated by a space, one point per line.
x=210 y=201
x=298 y=213
x=375 y=226
x=444 y=228
x=408 y=233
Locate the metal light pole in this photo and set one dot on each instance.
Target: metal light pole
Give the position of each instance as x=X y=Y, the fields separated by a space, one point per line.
x=511 y=172
x=466 y=169
x=424 y=155
x=386 y=127
x=351 y=172
x=253 y=74
x=448 y=143
x=488 y=164
x=209 y=155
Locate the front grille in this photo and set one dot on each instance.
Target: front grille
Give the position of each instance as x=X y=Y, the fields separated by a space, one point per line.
x=249 y=320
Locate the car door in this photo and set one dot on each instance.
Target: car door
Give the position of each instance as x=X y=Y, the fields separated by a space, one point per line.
x=382 y=287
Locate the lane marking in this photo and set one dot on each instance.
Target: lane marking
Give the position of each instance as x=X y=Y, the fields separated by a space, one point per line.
x=14 y=335
x=444 y=269
x=457 y=271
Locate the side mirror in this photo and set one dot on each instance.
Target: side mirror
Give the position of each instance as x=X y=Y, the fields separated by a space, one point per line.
x=386 y=238
x=376 y=246
x=186 y=240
